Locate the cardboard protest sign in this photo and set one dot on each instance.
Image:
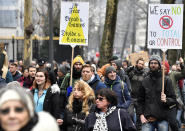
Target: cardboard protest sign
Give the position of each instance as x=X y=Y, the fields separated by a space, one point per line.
x=74 y=23
x=135 y=56
x=165 y=25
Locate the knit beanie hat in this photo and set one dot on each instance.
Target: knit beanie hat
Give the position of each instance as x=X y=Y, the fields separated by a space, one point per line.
x=109 y=69
x=118 y=63
x=63 y=69
x=78 y=59
x=155 y=57
x=9 y=93
x=113 y=58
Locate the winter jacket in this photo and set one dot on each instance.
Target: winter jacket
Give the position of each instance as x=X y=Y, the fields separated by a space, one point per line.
x=96 y=84
x=66 y=82
x=175 y=76
x=122 y=74
x=59 y=81
x=112 y=121
x=136 y=77
x=25 y=82
x=117 y=85
x=75 y=120
x=42 y=121
x=52 y=101
x=16 y=76
x=149 y=100
x=9 y=77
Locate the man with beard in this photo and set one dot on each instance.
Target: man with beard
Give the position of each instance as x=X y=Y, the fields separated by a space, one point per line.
x=136 y=75
x=77 y=64
x=153 y=104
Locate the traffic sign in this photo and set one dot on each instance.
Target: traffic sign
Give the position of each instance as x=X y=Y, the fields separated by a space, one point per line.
x=165 y=25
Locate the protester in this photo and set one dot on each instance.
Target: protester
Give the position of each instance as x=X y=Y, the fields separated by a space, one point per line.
x=102 y=70
x=106 y=116
x=32 y=72
x=175 y=77
x=62 y=71
x=125 y=64
x=113 y=82
x=24 y=80
x=78 y=107
x=91 y=78
x=153 y=104
x=17 y=112
x=46 y=94
x=15 y=74
x=136 y=75
x=77 y=64
x=41 y=63
x=117 y=64
x=5 y=75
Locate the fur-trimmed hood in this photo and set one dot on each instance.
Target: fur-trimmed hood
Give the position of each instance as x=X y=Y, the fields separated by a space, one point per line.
x=45 y=123
x=55 y=88
x=5 y=66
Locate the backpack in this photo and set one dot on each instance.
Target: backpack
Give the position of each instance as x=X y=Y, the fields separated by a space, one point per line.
x=130 y=109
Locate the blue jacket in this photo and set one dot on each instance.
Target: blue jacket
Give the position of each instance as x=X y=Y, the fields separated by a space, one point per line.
x=116 y=85
x=96 y=84
x=9 y=77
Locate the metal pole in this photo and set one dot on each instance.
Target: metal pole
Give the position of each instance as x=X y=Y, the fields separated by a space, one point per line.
x=134 y=27
x=13 y=42
x=17 y=49
x=50 y=9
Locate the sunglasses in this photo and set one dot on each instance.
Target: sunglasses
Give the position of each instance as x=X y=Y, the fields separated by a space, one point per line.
x=100 y=98
x=7 y=110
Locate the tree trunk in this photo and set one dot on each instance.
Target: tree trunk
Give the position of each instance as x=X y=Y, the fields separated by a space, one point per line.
x=183 y=38
x=28 y=30
x=106 y=48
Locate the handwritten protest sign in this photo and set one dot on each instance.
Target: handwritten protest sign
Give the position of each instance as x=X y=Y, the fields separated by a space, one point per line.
x=135 y=56
x=74 y=23
x=165 y=24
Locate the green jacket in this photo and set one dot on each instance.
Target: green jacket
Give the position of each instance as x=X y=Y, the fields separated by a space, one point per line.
x=66 y=82
x=175 y=76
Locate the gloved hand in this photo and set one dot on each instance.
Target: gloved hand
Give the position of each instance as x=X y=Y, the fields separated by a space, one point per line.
x=69 y=90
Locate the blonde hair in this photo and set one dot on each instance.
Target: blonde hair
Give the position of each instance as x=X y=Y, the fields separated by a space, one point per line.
x=88 y=94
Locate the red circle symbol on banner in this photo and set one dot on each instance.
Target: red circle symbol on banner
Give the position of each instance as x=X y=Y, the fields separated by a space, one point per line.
x=166 y=22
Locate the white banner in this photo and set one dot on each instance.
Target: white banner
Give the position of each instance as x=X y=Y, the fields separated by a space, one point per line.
x=165 y=25
x=74 y=23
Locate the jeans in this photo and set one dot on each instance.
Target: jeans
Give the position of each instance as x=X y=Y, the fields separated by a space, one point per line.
x=159 y=125
x=179 y=113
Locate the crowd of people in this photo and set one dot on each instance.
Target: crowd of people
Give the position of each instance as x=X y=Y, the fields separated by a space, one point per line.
x=117 y=96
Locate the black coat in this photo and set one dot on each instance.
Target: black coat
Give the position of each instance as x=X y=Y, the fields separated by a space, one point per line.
x=112 y=121
x=136 y=77
x=149 y=100
x=73 y=121
x=52 y=103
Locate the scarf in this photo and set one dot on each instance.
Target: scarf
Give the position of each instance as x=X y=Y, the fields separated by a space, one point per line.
x=101 y=123
x=77 y=105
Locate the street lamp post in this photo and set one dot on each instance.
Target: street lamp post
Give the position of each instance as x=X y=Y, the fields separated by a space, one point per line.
x=35 y=46
x=13 y=43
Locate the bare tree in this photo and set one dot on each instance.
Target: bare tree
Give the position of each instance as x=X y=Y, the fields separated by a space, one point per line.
x=109 y=30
